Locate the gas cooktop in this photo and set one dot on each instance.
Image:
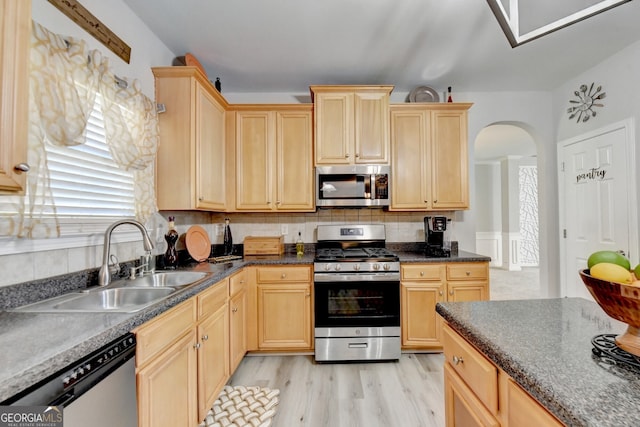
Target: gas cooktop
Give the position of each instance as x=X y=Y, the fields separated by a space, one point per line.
x=354 y=254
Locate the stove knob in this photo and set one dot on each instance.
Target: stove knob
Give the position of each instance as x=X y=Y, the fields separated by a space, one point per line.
x=386 y=267
x=337 y=267
x=327 y=267
x=376 y=267
x=356 y=267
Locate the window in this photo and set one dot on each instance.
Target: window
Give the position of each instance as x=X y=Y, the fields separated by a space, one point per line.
x=90 y=192
x=85 y=181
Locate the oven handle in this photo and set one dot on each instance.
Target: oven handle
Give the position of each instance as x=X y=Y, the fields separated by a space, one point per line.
x=359 y=277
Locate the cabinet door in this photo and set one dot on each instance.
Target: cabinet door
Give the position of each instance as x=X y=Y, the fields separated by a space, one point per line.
x=421 y=325
x=523 y=411
x=15 y=21
x=213 y=358
x=255 y=158
x=284 y=316
x=409 y=138
x=449 y=164
x=334 y=128
x=294 y=170
x=468 y=291
x=237 y=333
x=210 y=152
x=462 y=407
x=167 y=393
x=371 y=127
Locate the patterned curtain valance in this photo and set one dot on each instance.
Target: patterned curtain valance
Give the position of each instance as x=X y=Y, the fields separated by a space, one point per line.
x=65 y=79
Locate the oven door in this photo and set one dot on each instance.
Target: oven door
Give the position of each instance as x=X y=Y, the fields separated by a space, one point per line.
x=361 y=300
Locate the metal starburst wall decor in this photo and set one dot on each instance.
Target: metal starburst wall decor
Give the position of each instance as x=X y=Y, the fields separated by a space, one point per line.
x=587 y=100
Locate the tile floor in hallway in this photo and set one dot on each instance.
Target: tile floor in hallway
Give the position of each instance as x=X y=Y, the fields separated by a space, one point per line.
x=508 y=285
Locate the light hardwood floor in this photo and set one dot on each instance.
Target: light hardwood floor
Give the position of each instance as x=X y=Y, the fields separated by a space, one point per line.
x=407 y=393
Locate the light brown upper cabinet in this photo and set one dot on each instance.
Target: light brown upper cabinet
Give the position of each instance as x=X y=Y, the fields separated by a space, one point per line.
x=273 y=149
x=15 y=25
x=190 y=166
x=351 y=124
x=429 y=157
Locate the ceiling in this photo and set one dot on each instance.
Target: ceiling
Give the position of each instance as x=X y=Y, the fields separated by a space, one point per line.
x=287 y=45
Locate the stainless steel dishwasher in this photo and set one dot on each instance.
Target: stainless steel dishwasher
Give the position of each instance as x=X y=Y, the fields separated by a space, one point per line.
x=99 y=390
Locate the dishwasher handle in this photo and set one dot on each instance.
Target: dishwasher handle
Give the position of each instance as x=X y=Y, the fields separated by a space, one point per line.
x=64 y=400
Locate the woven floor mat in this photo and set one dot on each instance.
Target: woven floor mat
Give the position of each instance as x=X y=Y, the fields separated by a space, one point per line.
x=242 y=406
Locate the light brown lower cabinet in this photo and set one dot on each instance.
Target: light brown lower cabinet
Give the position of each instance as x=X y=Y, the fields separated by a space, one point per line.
x=477 y=393
x=425 y=285
x=182 y=360
x=284 y=299
x=237 y=318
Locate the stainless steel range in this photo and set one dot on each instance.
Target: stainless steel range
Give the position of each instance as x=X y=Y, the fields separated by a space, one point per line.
x=357 y=294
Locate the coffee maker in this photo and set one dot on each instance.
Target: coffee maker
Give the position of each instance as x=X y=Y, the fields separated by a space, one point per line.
x=436 y=243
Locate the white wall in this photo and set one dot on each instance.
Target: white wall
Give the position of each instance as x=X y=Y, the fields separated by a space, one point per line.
x=620 y=80
x=146 y=49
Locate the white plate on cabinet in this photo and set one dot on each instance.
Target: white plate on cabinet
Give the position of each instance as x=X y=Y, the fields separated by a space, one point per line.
x=423 y=94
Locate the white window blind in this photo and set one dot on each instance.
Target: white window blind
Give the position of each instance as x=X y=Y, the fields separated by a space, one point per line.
x=85 y=181
x=87 y=186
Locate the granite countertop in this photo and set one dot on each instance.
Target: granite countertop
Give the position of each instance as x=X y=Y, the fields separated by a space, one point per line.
x=545 y=346
x=36 y=345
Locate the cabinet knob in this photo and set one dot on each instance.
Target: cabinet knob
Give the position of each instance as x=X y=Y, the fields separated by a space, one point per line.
x=422 y=273
x=435 y=201
x=451 y=292
x=457 y=360
x=441 y=293
x=234 y=310
x=468 y=273
x=242 y=282
x=205 y=337
x=196 y=345
x=346 y=155
x=22 y=167
x=200 y=198
x=357 y=155
x=278 y=202
x=284 y=275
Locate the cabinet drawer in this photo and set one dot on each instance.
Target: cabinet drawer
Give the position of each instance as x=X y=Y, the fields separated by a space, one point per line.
x=213 y=298
x=422 y=272
x=284 y=274
x=237 y=282
x=159 y=333
x=475 y=370
x=468 y=271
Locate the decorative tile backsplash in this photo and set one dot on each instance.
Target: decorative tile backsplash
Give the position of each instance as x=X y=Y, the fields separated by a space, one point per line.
x=25 y=267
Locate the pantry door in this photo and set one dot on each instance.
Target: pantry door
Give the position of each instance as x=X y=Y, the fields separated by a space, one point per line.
x=598 y=206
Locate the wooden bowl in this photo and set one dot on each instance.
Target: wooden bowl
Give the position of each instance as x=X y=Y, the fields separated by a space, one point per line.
x=622 y=302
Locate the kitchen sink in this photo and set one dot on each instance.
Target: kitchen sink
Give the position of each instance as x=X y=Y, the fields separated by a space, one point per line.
x=120 y=296
x=118 y=300
x=172 y=279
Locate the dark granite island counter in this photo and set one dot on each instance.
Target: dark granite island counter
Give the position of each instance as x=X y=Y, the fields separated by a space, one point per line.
x=545 y=346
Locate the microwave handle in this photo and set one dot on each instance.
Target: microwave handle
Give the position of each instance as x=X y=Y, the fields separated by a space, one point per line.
x=372 y=186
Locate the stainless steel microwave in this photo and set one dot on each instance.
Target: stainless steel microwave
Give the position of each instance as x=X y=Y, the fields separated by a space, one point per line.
x=357 y=186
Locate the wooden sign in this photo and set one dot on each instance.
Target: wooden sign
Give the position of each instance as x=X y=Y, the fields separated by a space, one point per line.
x=85 y=19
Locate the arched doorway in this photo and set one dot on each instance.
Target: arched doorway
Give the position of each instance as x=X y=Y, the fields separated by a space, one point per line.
x=507 y=225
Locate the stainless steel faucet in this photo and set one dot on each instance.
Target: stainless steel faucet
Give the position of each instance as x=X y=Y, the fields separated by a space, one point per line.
x=104 y=277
